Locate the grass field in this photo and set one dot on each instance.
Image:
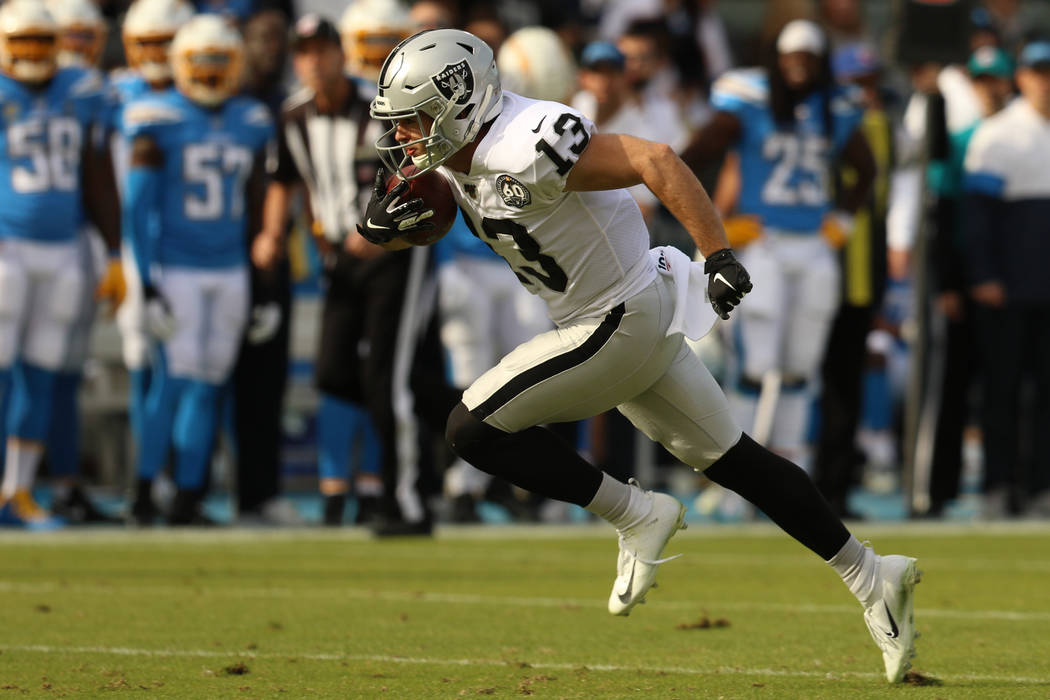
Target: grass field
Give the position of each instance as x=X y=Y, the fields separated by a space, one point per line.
x=505 y=612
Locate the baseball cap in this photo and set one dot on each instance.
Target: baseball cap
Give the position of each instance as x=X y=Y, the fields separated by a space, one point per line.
x=854 y=60
x=601 y=52
x=801 y=35
x=313 y=26
x=990 y=60
x=1036 y=53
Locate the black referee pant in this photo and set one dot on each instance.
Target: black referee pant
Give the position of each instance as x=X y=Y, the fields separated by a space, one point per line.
x=1015 y=340
x=837 y=456
x=380 y=348
x=260 y=378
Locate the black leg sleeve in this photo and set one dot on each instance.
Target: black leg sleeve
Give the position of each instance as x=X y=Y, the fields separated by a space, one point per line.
x=784 y=492
x=535 y=459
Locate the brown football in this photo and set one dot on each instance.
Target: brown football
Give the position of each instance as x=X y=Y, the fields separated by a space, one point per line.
x=436 y=194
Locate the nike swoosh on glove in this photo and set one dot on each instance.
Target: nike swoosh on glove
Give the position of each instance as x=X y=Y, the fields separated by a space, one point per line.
x=727 y=283
x=387 y=218
x=160 y=322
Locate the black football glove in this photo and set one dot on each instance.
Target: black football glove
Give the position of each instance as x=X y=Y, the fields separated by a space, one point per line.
x=728 y=281
x=386 y=218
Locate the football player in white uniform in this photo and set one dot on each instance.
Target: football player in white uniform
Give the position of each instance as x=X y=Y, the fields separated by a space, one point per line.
x=576 y=238
x=485 y=311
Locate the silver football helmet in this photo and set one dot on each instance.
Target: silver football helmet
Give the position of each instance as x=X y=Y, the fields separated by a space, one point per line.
x=446 y=74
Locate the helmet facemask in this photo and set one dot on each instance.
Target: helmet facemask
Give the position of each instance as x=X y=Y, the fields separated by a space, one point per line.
x=148 y=54
x=208 y=77
x=30 y=57
x=446 y=74
x=80 y=45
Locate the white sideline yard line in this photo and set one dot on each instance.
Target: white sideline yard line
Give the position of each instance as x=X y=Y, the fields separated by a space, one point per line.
x=697 y=606
x=542 y=665
x=206 y=536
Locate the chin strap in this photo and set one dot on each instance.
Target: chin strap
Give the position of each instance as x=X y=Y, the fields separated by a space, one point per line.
x=479 y=116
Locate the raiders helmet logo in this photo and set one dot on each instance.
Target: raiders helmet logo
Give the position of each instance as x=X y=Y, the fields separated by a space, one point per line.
x=455 y=78
x=513 y=192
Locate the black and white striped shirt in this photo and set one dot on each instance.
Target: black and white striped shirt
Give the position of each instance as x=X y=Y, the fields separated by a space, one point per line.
x=334 y=155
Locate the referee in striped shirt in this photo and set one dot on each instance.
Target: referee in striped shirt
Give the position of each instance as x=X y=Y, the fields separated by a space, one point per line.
x=379 y=342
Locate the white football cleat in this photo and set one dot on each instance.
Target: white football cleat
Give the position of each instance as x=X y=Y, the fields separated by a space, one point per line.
x=891 y=619
x=640 y=548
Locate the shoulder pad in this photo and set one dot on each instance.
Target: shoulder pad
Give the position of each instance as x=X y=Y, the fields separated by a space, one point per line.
x=249 y=110
x=846 y=99
x=84 y=82
x=746 y=84
x=297 y=99
x=151 y=111
x=526 y=123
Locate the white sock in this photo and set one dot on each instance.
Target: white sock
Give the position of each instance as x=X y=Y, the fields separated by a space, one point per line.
x=859 y=568
x=20 y=466
x=619 y=504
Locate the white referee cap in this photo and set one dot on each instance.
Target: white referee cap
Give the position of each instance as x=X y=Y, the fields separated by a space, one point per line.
x=801 y=35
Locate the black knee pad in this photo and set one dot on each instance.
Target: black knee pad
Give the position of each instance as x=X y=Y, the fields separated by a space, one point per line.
x=465 y=434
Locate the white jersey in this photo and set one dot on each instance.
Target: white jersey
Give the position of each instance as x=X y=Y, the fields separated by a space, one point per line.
x=582 y=252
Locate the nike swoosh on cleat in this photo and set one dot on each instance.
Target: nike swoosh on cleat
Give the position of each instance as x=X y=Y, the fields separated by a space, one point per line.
x=893 y=623
x=718 y=276
x=372 y=224
x=625 y=597
x=537 y=129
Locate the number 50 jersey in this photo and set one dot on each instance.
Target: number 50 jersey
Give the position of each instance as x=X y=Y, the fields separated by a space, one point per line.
x=582 y=252
x=208 y=157
x=42 y=134
x=785 y=172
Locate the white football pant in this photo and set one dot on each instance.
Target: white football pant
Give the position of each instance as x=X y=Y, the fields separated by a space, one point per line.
x=41 y=285
x=92 y=261
x=783 y=325
x=485 y=313
x=210 y=308
x=623 y=360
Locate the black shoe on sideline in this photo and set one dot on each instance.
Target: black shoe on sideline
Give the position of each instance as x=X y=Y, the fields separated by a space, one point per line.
x=367 y=510
x=186 y=510
x=143 y=512
x=78 y=509
x=334 y=505
x=385 y=527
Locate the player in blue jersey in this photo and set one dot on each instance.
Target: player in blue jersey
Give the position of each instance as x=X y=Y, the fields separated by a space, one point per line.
x=196 y=172
x=147 y=32
x=81 y=37
x=788 y=124
x=52 y=169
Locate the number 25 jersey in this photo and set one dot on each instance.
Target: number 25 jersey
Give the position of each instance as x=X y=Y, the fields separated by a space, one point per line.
x=208 y=158
x=582 y=252
x=42 y=135
x=785 y=172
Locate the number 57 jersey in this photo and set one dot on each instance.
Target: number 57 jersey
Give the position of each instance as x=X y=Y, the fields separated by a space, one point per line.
x=582 y=252
x=42 y=135
x=208 y=156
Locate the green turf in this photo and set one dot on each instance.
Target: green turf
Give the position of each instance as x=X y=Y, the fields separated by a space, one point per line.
x=506 y=613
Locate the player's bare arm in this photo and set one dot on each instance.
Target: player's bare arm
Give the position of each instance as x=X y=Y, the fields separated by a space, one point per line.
x=99 y=194
x=613 y=161
x=268 y=246
x=713 y=140
x=255 y=192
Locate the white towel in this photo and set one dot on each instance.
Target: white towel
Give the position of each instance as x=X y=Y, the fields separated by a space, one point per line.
x=694 y=317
